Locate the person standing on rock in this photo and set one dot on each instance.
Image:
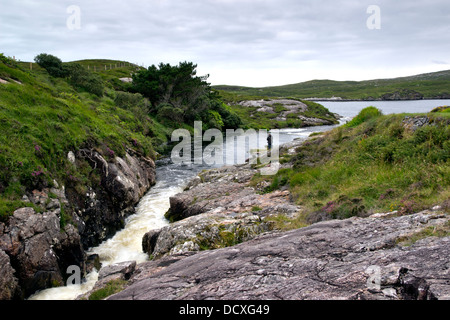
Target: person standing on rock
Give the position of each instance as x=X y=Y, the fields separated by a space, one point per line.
x=269 y=141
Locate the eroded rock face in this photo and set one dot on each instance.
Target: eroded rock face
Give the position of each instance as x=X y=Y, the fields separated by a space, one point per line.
x=123 y=182
x=8 y=281
x=36 y=248
x=39 y=250
x=357 y=258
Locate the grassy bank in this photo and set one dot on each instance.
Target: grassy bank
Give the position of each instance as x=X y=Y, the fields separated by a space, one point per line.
x=375 y=163
x=42 y=118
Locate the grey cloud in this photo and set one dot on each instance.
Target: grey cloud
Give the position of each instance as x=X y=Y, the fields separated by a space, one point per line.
x=223 y=35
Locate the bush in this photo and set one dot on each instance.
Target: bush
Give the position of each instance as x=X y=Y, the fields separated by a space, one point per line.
x=215 y=120
x=168 y=112
x=7 y=60
x=52 y=64
x=126 y=100
x=364 y=115
x=81 y=78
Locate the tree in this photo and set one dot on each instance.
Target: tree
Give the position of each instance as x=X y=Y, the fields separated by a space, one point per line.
x=178 y=86
x=177 y=94
x=52 y=64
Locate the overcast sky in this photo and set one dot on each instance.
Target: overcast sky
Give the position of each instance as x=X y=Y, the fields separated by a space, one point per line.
x=240 y=42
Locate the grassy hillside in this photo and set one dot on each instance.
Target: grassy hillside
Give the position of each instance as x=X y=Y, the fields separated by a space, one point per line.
x=430 y=85
x=42 y=118
x=375 y=163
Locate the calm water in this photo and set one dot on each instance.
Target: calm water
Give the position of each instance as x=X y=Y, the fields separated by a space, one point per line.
x=351 y=108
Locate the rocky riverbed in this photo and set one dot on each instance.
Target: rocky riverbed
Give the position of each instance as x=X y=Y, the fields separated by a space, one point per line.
x=357 y=258
x=223 y=245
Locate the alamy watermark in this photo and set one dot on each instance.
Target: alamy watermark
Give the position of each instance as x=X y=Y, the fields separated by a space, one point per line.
x=374 y=279
x=73 y=22
x=262 y=148
x=374 y=20
x=75 y=278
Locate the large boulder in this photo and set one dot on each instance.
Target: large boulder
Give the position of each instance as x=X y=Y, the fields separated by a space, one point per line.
x=39 y=250
x=203 y=232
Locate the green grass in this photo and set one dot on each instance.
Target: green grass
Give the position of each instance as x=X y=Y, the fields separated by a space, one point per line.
x=436 y=231
x=44 y=118
x=110 y=288
x=376 y=165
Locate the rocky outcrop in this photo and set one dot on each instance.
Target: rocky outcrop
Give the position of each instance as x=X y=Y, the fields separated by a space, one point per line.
x=203 y=232
x=218 y=208
x=36 y=248
x=404 y=94
x=356 y=258
x=102 y=211
x=227 y=190
x=284 y=109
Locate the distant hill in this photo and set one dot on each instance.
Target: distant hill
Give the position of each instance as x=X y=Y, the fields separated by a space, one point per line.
x=435 y=85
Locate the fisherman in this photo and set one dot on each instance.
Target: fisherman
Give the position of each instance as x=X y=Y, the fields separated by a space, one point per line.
x=269 y=141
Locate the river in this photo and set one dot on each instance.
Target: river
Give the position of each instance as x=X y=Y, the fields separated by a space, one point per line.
x=126 y=244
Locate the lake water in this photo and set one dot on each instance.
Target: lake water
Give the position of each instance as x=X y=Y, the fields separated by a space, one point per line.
x=351 y=108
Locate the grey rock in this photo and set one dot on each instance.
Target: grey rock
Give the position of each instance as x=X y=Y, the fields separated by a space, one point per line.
x=327 y=260
x=8 y=282
x=123 y=182
x=71 y=157
x=414 y=123
x=122 y=270
x=204 y=231
x=39 y=250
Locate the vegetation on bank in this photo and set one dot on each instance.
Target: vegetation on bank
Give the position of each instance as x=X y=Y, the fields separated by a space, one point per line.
x=254 y=118
x=55 y=107
x=43 y=117
x=375 y=163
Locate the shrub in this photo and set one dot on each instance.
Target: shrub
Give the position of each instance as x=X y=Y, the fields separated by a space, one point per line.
x=127 y=100
x=52 y=64
x=7 y=60
x=81 y=78
x=168 y=112
x=364 y=115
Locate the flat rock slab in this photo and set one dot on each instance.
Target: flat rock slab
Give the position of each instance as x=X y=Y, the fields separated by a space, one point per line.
x=357 y=258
